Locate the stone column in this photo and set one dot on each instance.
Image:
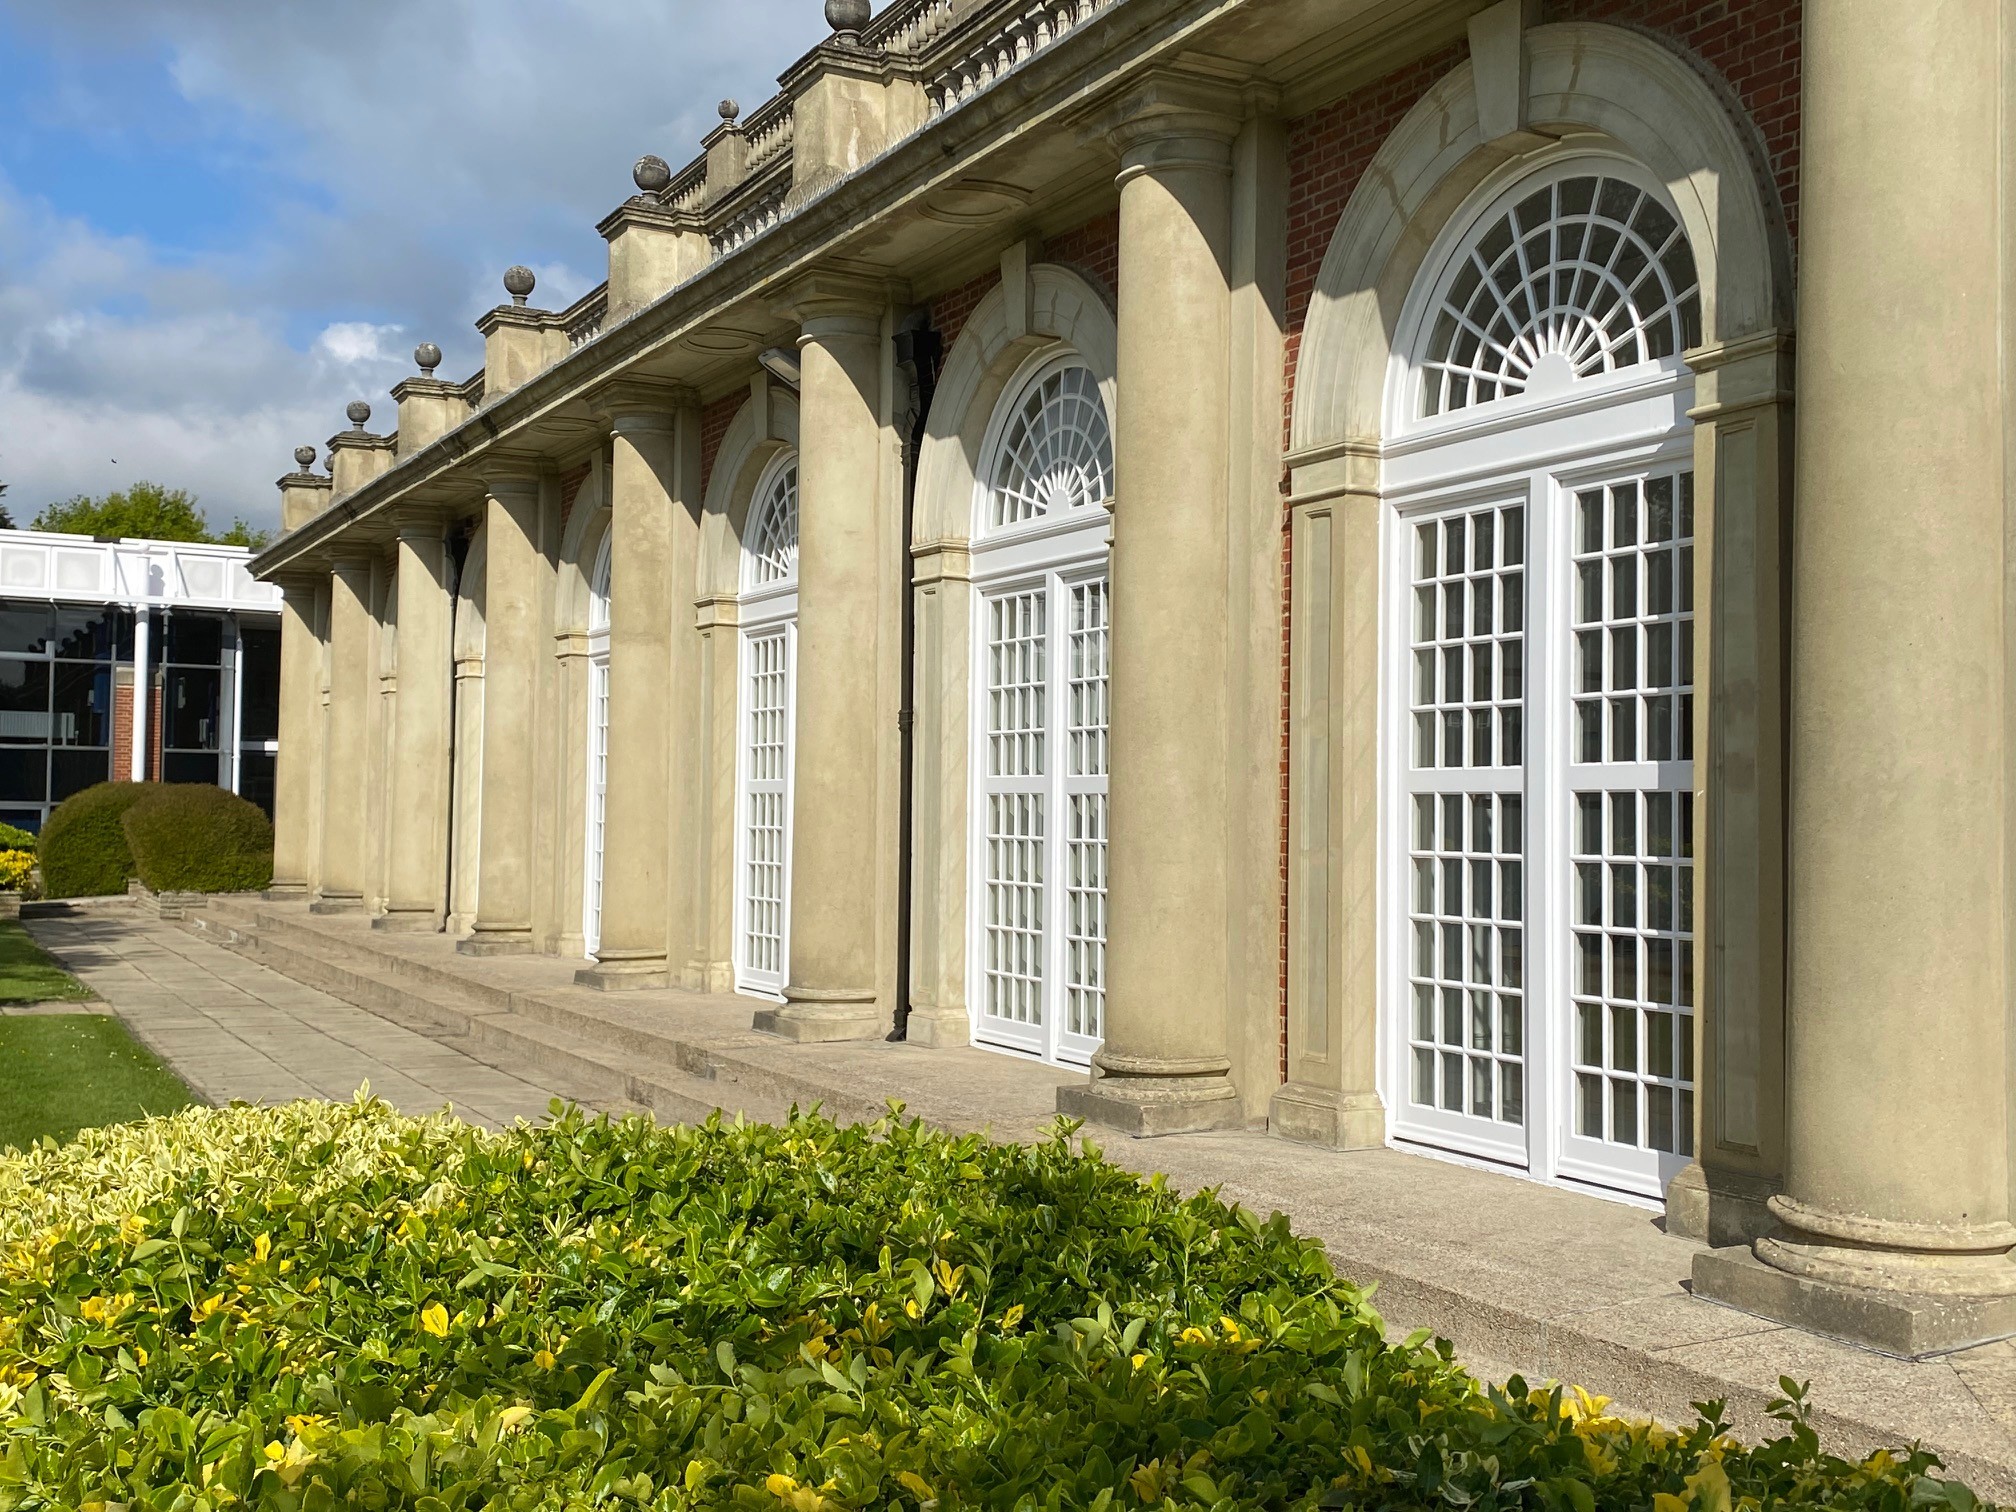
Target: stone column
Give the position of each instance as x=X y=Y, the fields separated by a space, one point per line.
x=422 y=733
x=510 y=674
x=1895 y=1223
x=1165 y=1066
x=655 y=529
x=347 y=761
x=296 y=790
x=831 y=993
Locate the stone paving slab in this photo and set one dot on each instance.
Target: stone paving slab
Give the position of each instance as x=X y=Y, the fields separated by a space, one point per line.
x=238 y=1032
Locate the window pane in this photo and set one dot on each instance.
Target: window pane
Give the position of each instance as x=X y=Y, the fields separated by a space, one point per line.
x=189 y=766
x=72 y=771
x=90 y=634
x=194 y=639
x=24 y=774
x=24 y=627
x=189 y=709
x=259 y=674
x=24 y=701
x=83 y=704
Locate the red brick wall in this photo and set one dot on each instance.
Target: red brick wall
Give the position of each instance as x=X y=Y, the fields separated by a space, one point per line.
x=122 y=734
x=951 y=310
x=1093 y=249
x=714 y=423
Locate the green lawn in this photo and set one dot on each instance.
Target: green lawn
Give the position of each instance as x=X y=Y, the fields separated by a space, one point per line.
x=29 y=976
x=62 y=1072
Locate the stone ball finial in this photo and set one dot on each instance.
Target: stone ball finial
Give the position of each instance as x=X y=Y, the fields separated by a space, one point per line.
x=728 y=110
x=519 y=283
x=358 y=411
x=428 y=356
x=651 y=174
x=847 y=15
x=304 y=457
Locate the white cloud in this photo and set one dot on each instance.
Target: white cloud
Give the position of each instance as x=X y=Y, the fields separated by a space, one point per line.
x=399 y=157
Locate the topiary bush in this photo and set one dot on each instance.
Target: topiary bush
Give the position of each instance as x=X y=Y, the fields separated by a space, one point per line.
x=83 y=847
x=317 y=1306
x=194 y=837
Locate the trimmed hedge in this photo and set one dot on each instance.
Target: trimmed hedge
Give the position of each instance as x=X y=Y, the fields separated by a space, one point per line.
x=84 y=849
x=302 y=1308
x=12 y=839
x=192 y=837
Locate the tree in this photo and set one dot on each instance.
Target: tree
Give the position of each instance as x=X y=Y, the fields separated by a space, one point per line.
x=145 y=510
x=6 y=517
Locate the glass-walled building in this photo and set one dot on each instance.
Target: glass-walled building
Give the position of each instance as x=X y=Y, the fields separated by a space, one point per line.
x=83 y=623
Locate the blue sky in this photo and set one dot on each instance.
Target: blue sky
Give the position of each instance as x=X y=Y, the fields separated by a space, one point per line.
x=221 y=220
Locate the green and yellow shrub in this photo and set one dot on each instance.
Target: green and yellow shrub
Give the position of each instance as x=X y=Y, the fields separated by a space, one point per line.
x=13 y=838
x=193 y=837
x=83 y=847
x=313 y=1307
x=17 y=869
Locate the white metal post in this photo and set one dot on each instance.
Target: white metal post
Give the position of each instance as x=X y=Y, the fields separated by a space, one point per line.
x=141 y=693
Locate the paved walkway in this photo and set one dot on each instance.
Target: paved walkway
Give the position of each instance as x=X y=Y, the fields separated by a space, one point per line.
x=236 y=1031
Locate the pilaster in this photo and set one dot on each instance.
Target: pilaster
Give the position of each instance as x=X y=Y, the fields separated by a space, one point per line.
x=347 y=774
x=422 y=735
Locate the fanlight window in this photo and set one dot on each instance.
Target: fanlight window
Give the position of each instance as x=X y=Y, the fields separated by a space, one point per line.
x=598 y=589
x=773 y=544
x=1583 y=277
x=1056 y=455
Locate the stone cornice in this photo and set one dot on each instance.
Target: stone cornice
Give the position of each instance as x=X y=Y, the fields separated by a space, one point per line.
x=523 y=316
x=1102 y=55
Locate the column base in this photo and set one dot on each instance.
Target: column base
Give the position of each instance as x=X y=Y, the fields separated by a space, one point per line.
x=337 y=903
x=1145 y=1104
x=625 y=973
x=497 y=943
x=1719 y=1207
x=278 y=891
x=1328 y=1117
x=811 y=1016
x=408 y=921
x=1911 y=1325
x=937 y=1027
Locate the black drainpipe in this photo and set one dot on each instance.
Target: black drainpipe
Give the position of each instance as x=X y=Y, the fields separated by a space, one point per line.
x=918 y=353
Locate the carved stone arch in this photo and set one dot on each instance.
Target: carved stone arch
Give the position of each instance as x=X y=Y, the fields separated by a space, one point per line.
x=1599 y=91
x=1065 y=313
x=760 y=430
x=587 y=528
x=1595 y=88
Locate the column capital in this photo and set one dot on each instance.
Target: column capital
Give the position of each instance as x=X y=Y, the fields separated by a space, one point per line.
x=422 y=521
x=841 y=300
x=1179 y=118
x=347 y=559
x=509 y=472
x=633 y=404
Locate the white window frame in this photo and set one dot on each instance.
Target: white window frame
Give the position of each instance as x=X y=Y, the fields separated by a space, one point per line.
x=767 y=610
x=1053 y=555
x=598 y=746
x=1535 y=450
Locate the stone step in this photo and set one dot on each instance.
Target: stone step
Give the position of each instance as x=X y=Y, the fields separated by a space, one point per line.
x=674 y=1079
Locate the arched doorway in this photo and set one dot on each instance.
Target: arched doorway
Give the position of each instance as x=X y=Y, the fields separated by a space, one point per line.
x=598 y=747
x=764 y=748
x=1538 y=721
x=1041 y=646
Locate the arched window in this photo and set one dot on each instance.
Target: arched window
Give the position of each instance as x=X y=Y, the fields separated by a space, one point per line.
x=1038 y=975
x=1585 y=275
x=769 y=614
x=598 y=744
x=1539 y=909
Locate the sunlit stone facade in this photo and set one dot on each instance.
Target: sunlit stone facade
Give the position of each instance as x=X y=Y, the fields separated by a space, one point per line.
x=1255 y=548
